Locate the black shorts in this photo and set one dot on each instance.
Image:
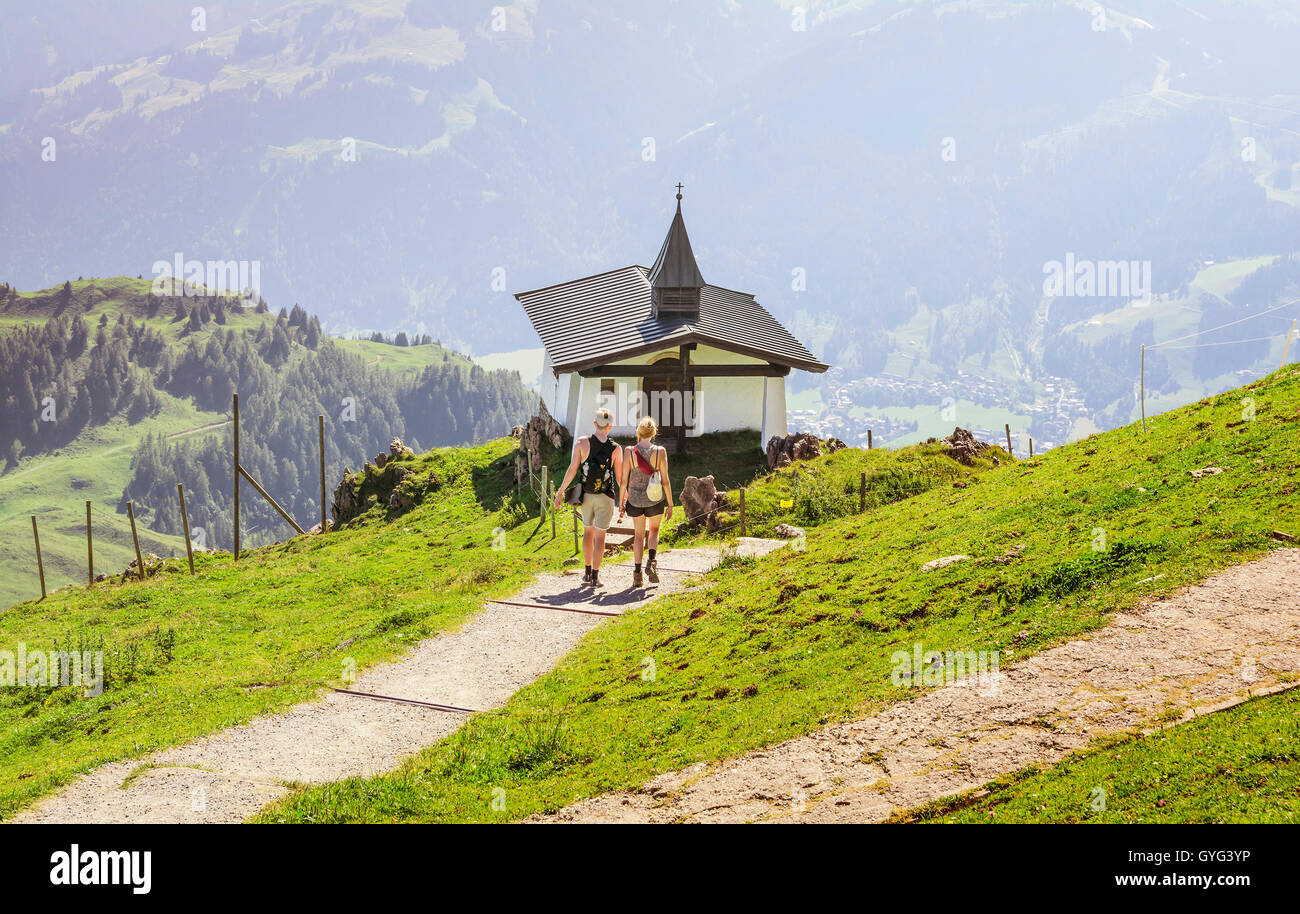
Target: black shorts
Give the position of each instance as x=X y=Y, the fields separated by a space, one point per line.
x=652 y=511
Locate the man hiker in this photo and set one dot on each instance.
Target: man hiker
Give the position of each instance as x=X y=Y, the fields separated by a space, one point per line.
x=601 y=461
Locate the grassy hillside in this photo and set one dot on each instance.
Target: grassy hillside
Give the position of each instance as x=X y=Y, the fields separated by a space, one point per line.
x=95 y=457
x=266 y=632
x=55 y=488
x=403 y=360
x=96 y=465
x=95 y=298
x=1241 y=765
x=789 y=643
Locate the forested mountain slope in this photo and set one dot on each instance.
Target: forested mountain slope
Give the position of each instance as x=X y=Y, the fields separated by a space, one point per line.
x=94 y=371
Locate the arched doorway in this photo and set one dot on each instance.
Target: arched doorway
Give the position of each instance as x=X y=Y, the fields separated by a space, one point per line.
x=664 y=398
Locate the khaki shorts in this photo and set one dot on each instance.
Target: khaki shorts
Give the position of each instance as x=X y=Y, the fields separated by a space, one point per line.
x=596 y=510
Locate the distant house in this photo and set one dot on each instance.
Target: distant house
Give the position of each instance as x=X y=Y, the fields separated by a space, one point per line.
x=697 y=357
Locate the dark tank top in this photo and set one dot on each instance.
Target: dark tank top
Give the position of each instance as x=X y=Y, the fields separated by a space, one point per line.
x=598 y=470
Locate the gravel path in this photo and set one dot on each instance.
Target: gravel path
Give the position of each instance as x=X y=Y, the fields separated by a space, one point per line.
x=1209 y=647
x=230 y=775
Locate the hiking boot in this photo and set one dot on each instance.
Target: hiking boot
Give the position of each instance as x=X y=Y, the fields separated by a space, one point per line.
x=595 y=579
x=636 y=578
x=652 y=571
x=586 y=576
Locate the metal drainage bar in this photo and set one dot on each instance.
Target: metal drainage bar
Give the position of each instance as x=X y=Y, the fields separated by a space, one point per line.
x=665 y=568
x=407 y=701
x=567 y=609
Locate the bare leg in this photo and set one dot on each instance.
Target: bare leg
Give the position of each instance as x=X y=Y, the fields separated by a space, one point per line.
x=638 y=538
x=586 y=544
x=597 y=548
x=652 y=540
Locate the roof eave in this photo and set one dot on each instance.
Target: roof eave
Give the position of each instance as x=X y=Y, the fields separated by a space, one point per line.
x=810 y=365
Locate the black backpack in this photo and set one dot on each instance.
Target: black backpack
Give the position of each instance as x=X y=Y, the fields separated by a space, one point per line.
x=598 y=469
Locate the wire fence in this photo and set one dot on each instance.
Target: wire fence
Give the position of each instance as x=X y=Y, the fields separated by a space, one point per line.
x=1168 y=345
x=1249 y=317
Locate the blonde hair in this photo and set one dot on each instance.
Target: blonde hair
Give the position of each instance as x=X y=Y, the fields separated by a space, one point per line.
x=604 y=418
x=646 y=428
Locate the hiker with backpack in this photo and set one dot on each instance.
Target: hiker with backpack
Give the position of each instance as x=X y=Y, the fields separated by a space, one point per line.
x=647 y=497
x=601 y=462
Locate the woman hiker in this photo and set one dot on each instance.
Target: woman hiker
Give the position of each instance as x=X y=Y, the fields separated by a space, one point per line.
x=601 y=461
x=647 y=497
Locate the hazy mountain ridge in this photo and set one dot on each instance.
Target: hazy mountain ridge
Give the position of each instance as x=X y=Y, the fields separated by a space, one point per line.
x=821 y=151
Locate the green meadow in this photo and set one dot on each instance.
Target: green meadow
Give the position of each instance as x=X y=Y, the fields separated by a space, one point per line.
x=783 y=645
x=1239 y=765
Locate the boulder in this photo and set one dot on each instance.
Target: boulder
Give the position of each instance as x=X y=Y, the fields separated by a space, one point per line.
x=788 y=531
x=152 y=563
x=700 y=501
x=962 y=446
x=399 y=451
x=944 y=562
x=781 y=452
x=400 y=500
x=347 y=499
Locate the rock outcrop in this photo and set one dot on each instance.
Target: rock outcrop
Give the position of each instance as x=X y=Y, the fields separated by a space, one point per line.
x=944 y=562
x=963 y=447
x=700 y=501
x=390 y=481
x=152 y=564
x=396 y=451
x=539 y=433
x=781 y=452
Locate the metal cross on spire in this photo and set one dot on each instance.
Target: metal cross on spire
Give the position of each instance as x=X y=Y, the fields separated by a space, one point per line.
x=680 y=185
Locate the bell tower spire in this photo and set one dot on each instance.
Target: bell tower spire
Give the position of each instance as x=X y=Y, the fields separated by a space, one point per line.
x=675 y=278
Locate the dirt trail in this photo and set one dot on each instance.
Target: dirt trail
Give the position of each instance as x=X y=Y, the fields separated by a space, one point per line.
x=47 y=464
x=1208 y=647
x=229 y=776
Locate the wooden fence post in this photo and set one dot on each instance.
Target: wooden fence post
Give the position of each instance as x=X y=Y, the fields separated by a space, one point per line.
x=550 y=497
x=185 y=522
x=1031 y=448
x=321 y=419
x=576 y=545
x=236 y=475
x=40 y=563
x=862 y=493
x=1010 y=453
x=1142 y=384
x=139 y=559
x=1287 y=348
x=90 y=550
x=742 y=511
x=546 y=487
x=868 y=439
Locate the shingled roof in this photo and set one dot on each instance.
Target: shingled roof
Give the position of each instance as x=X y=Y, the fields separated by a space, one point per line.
x=609 y=316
